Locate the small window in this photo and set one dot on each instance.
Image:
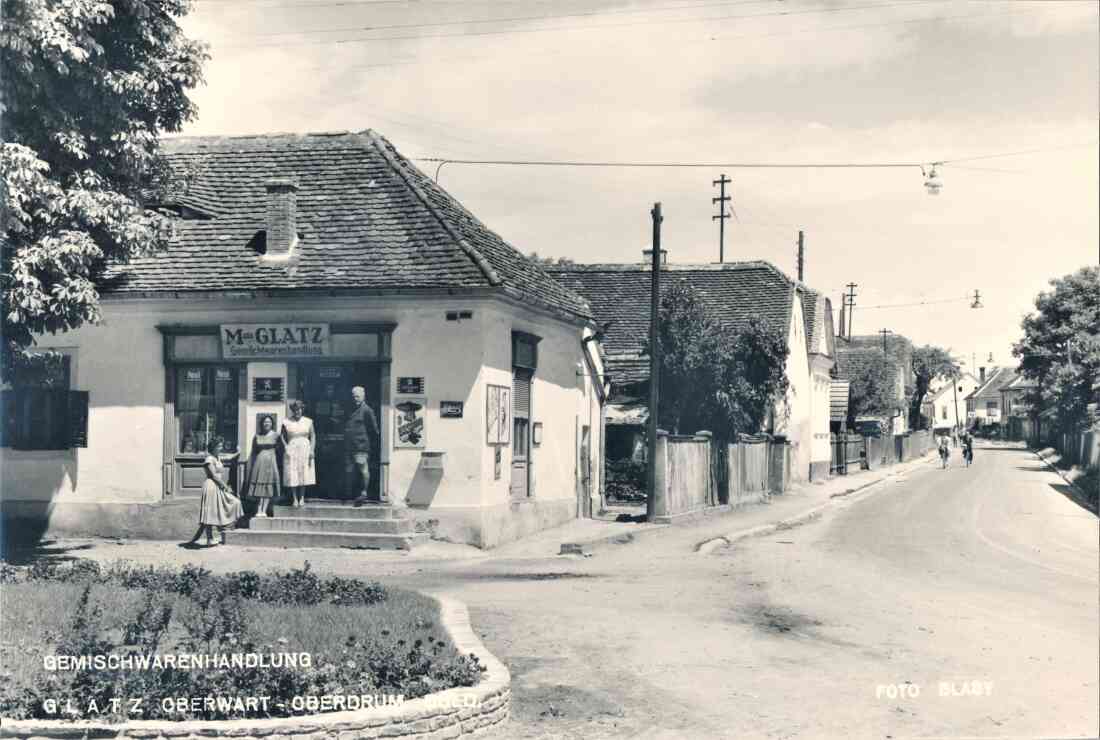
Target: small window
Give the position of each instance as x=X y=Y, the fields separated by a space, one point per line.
x=525 y=350
x=40 y=411
x=990 y=405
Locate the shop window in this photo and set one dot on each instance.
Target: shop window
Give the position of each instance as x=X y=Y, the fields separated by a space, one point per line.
x=40 y=410
x=206 y=405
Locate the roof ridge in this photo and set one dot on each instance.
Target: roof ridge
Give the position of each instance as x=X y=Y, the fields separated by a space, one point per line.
x=382 y=146
x=669 y=267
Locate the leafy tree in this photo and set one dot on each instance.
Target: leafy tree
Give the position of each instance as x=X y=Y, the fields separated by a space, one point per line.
x=872 y=389
x=717 y=377
x=1060 y=349
x=929 y=362
x=549 y=261
x=87 y=88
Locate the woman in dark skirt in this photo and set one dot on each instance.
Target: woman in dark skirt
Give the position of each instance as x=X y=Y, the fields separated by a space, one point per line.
x=263 y=467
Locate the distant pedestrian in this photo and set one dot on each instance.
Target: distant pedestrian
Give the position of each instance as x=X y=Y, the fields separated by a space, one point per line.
x=968 y=448
x=954 y=437
x=945 y=452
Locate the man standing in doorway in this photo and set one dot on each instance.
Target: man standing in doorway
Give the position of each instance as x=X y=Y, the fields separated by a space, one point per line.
x=358 y=431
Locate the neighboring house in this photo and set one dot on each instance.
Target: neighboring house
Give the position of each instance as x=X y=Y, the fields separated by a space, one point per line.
x=984 y=406
x=301 y=266
x=1016 y=411
x=856 y=353
x=620 y=294
x=945 y=407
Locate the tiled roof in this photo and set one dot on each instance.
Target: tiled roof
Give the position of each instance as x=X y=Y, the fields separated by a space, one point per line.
x=620 y=293
x=994 y=382
x=818 y=312
x=367 y=218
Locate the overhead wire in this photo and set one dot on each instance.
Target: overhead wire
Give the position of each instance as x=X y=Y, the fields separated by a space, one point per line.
x=513 y=31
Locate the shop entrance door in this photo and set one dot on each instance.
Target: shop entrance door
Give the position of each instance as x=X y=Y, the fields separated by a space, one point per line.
x=325 y=388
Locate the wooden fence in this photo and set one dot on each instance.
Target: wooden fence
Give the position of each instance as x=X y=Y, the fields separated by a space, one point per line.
x=694 y=472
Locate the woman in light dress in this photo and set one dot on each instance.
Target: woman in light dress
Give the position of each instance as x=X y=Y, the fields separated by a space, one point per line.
x=218 y=507
x=301 y=442
x=263 y=467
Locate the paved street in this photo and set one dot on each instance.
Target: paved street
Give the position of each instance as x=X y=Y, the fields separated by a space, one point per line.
x=938 y=603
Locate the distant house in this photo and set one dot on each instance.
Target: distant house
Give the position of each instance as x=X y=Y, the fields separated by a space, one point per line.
x=945 y=407
x=1018 y=420
x=984 y=406
x=620 y=294
x=852 y=355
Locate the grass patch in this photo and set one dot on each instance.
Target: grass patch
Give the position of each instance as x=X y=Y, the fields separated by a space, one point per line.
x=347 y=638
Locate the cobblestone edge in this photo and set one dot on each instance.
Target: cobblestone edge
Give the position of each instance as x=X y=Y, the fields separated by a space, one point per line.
x=453 y=713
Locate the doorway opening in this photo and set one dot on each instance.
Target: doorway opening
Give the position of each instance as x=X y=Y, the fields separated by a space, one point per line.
x=325 y=389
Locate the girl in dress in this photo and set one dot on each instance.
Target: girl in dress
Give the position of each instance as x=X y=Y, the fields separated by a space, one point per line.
x=301 y=441
x=263 y=466
x=218 y=507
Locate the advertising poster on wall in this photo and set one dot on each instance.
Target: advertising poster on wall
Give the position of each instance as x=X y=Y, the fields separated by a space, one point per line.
x=498 y=410
x=408 y=426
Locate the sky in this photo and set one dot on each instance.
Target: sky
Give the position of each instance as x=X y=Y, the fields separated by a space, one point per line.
x=720 y=82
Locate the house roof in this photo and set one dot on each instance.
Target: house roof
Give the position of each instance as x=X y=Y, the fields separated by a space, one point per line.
x=945 y=389
x=994 y=382
x=1019 y=383
x=367 y=219
x=620 y=293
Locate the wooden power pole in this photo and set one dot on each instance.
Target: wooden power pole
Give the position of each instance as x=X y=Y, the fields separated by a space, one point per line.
x=721 y=200
x=654 y=364
x=851 y=306
x=801 y=255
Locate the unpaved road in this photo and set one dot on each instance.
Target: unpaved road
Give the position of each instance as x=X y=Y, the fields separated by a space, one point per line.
x=976 y=583
x=979 y=583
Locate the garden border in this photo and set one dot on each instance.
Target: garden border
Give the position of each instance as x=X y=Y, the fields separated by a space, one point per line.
x=452 y=713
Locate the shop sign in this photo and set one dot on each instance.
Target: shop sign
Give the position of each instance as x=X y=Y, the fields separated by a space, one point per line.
x=267 y=389
x=450 y=409
x=410 y=386
x=193 y=376
x=409 y=423
x=263 y=341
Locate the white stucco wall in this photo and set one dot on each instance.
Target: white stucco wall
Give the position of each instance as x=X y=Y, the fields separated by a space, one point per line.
x=120 y=363
x=798 y=406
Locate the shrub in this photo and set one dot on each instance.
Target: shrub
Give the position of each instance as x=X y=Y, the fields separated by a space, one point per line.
x=626 y=480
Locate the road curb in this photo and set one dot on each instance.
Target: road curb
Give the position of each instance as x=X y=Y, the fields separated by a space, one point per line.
x=1077 y=494
x=710 y=545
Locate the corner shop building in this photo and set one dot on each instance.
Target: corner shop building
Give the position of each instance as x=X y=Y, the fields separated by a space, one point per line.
x=301 y=266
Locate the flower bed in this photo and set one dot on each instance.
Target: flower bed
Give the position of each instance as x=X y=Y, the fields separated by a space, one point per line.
x=163 y=635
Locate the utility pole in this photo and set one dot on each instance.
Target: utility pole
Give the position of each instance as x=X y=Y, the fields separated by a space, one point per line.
x=801 y=255
x=955 y=393
x=721 y=200
x=851 y=306
x=884 y=332
x=654 y=364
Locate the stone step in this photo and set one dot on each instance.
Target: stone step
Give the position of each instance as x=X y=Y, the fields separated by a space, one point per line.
x=338 y=510
x=260 y=538
x=334 y=524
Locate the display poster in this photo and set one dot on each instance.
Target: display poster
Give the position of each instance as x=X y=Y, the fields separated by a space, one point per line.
x=450 y=409
x=409 y=423
x=410 y=386
x=498 y=413
x=268 y=390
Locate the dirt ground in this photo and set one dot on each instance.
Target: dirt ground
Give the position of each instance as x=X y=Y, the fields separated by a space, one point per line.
x=940 y=603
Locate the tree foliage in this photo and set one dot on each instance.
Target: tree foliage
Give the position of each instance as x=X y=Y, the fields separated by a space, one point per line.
x=929 y=362
x=87 y=88
x=1060 y=349
x=549 y=261
x=713 y=376
x=872 y=389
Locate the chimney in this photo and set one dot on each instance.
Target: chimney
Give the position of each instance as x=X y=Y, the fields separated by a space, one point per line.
x=843 y=306
x=981 y=374
x=282 y=216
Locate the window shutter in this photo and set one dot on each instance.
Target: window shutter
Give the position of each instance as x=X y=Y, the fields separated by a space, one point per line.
x=78 y=419
x=521 y=395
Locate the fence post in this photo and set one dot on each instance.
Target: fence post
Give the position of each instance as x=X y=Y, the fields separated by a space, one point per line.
x=660 y=475
x=706 y=437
